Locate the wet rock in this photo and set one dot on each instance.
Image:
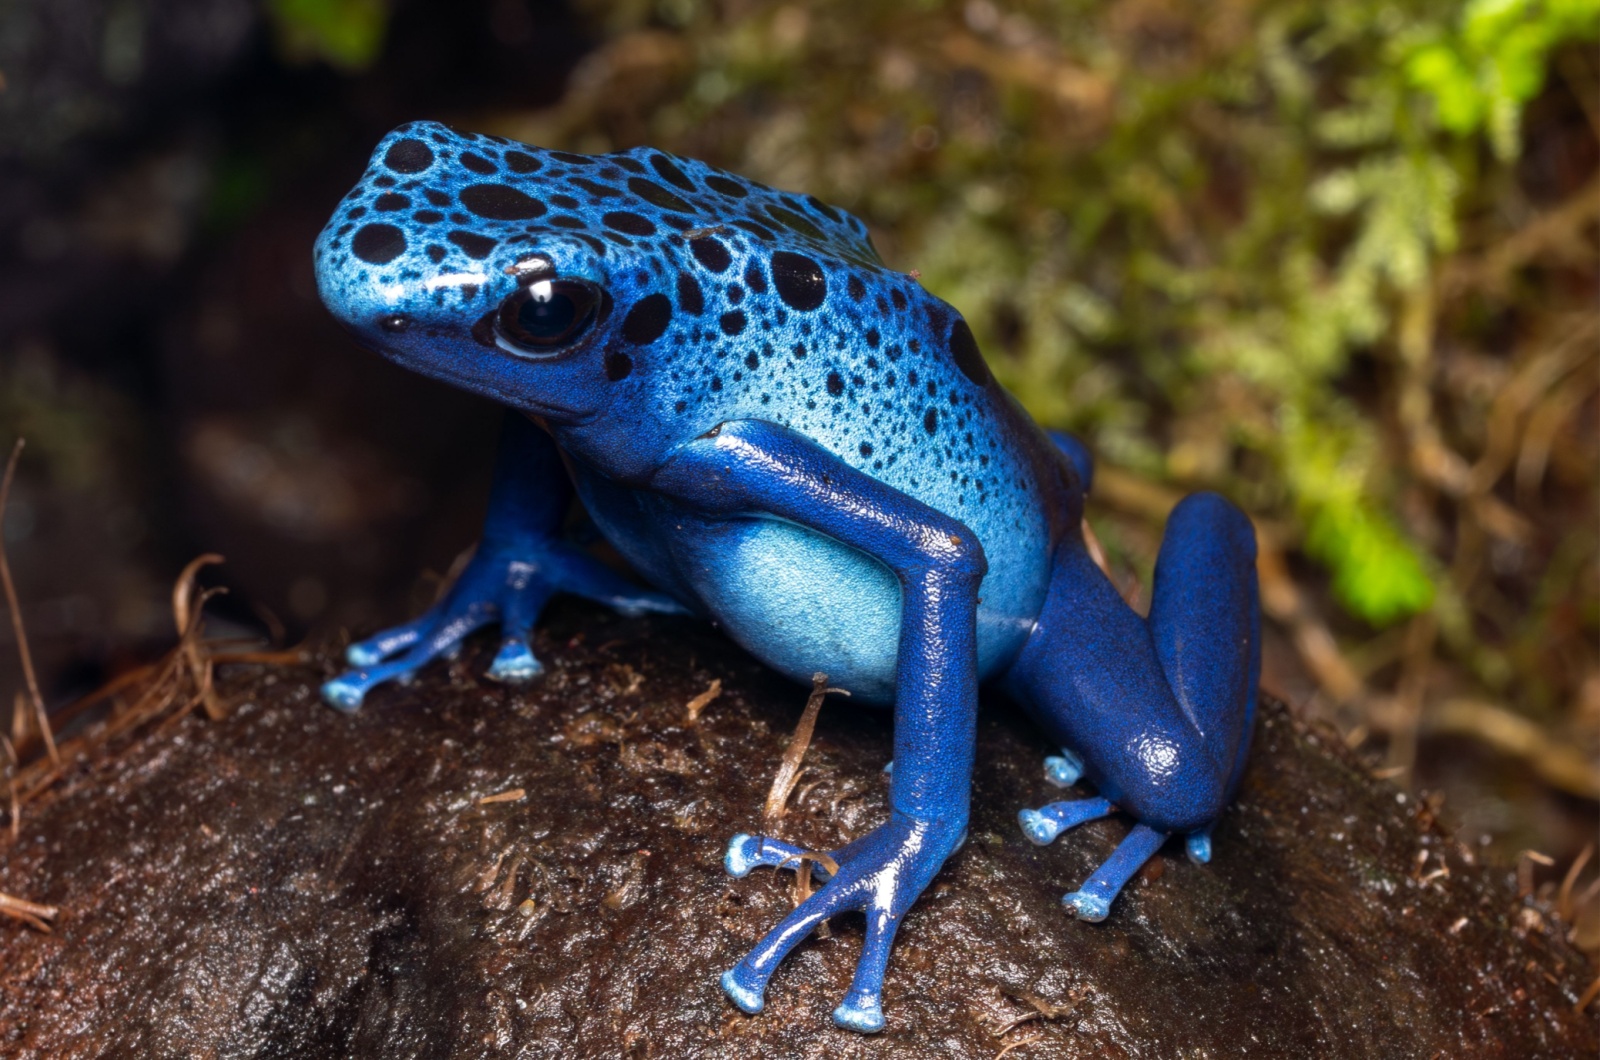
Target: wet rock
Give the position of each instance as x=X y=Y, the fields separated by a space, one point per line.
x=293 y=882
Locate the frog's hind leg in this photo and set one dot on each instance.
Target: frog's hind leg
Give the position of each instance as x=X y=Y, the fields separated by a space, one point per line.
x=1159 y=708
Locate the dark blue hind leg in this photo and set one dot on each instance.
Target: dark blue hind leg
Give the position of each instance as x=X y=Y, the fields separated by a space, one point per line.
x=1158 y=709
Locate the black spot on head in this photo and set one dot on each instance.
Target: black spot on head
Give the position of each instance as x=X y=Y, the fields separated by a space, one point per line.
x=710 y=253
x=751 y=361
x=898 y=298
x=500 y=203
x=761 y=232
x=930 y=420
x=378 y=244
x=391 y=202
x=631 y=223
x=873 y=338
x=835 y=384
x=964 y=348
x=647 y=320
x=408 y=156
x=855 y=288
x=865 y=449
x=438 y=198
x=427 y=217
x=799 y=280
x=733 y=323
x=671 y=173
x=436 y=253
x=716 y=382
x=754 y=280
x=522 y=162
x=477 y=163
x=799 y=351
x=794 y=222
x=618 y=366
x=731 y=188
x=656 y=195
x=690 y=300
x=476 y=246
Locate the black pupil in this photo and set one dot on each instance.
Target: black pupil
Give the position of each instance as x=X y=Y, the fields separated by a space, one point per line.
x=549 y=319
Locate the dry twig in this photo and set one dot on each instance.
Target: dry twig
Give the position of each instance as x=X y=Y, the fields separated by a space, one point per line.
x=28 y=675
x=31 y=913
x=704 y=699
x=789 y=769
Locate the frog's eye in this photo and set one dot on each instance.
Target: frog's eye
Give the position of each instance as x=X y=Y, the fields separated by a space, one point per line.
x=546 y=315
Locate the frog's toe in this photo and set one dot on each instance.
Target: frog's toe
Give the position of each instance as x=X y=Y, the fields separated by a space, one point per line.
x=375 y=649
x=862 y=1015
x=745 y=989
x=1093 y=900
x=1041 y=826
x=646 y=603
x=1063 y=770
x=515 y=663
x=749 y=852
x=1091 y=907
x=343 y=694
x=1198 y=846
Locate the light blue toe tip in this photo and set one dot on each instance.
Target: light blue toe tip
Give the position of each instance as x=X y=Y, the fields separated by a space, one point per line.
x=1061 y=771
x=361 y=656
x=1199 y=847
x=748 y=1000
x=862 y=1018
x=515 y=663
x=342 y=695
x=1086 y=906
x=739 y=859
x=1039 y=829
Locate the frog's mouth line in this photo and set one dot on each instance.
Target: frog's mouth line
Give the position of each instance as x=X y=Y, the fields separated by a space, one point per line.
x=507 y=395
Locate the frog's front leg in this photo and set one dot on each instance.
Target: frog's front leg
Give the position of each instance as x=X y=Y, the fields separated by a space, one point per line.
x=518 y=565
x=753 y=468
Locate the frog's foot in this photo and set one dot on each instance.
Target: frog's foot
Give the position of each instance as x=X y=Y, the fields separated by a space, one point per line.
x=748 y=852
x=1063 y=770
x=881 y=874
x=1093 y=900
x=496 y=586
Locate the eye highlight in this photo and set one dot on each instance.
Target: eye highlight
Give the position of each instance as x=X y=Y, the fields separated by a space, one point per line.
x=547 y=315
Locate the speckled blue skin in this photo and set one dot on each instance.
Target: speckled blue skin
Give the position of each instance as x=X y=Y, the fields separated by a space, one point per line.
x=785 y=436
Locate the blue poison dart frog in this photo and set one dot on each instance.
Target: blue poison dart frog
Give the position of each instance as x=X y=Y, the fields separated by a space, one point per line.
x=785 y=436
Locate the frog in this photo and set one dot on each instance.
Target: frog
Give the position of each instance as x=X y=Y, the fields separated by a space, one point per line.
x=784 y=436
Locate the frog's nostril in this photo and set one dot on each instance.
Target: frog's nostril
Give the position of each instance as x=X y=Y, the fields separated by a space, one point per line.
x=394 y=322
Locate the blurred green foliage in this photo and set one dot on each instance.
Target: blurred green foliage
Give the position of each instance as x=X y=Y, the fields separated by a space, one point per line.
x=344 y=33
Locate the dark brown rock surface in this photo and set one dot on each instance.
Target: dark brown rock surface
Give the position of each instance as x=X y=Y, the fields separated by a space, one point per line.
x=293 y=882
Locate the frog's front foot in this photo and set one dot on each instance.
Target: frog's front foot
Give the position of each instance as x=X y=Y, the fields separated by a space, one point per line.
x=881 y=874
x=509 y=586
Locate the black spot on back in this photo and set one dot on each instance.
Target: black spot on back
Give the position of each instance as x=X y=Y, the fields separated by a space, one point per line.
x=647 y=320
x=571 y=159
x=475 y=246
x=522 y=162
x=670 y=173
x=656 y=195
x=391 y=202
x=595 y=188
x=930 y=420
x=427 y=217
x=567 y=221
x=835 y=384
x=408 y=156
x=631 y=223
x=754 y=280
x=857 y=290
x=438 y=198
x=898 y=298
x=710 y=253
x=964 y=348
x=500 y=203
x=378 y=244
x=618 y=366
x=690 y=300
x=733 y=323
x=761 y=232
x=631 y=165
x=799 y=280
x=477 y=163
x=731 y=188
x=436 y=253
x=823 y=208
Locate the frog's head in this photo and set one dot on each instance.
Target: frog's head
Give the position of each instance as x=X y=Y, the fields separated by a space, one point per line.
x=468 y=258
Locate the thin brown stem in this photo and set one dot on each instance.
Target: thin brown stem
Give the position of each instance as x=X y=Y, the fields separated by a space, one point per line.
x=16 y=613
